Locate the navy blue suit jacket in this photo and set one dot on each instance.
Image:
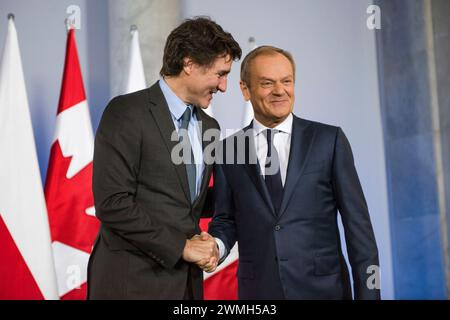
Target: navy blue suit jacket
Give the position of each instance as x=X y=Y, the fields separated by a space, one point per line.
x=296 y=254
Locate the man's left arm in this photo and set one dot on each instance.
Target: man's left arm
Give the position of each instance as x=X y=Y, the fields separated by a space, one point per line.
x=360 y=239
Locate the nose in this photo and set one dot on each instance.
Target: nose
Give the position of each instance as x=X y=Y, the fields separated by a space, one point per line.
x=278 y=89
x=222 y=86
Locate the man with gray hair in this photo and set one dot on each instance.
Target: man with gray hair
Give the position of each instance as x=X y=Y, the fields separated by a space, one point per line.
x=282 y=209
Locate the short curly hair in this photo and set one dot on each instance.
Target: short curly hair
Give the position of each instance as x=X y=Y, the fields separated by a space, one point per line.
x=200 y=39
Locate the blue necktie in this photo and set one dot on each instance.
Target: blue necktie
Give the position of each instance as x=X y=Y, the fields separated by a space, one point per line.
x=272 y=172
x=190 y=165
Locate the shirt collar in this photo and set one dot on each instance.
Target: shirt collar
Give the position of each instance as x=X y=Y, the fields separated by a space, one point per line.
x=176 y=105
x=285 y=126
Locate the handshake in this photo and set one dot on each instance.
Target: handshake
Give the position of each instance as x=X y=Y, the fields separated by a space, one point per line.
x=203 y=251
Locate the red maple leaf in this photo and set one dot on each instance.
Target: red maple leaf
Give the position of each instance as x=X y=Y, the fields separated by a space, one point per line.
x=67 y=201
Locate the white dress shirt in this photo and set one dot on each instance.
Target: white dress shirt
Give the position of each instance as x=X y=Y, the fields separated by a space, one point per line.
x=177 y=108
x=282 y=143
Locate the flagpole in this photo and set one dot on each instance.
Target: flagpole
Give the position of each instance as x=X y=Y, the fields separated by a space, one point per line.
x=251 y=43
x=68 y=23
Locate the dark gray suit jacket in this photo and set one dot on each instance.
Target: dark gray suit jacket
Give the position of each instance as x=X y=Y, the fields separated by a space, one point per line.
x=297 y=253
x=142 y=200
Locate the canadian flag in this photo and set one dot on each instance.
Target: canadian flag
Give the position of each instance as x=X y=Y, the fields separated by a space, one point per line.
x=222 y=283
x=26 y=262
x=68 y=187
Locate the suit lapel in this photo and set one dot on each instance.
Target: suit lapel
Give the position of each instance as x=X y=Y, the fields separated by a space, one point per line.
x=254 y=169
x=163 y=119
x=301 y=142
x=206 y=124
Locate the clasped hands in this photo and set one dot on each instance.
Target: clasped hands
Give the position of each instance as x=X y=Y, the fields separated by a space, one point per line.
x=203 y=251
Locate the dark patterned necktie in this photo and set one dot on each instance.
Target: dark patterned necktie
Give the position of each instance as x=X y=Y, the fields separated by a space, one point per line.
x=272 y=171
x=190 y=164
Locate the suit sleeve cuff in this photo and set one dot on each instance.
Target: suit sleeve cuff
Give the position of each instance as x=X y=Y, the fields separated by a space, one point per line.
x=222 y=249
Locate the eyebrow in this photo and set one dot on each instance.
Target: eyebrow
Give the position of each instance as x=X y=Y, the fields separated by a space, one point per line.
x=265 y=79
x=269 y=79
x=223 y=72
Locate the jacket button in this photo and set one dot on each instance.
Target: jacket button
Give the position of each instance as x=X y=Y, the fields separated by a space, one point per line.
x=277 y=227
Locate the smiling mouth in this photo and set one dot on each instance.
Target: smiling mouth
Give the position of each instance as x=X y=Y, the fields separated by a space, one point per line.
x=278 y=101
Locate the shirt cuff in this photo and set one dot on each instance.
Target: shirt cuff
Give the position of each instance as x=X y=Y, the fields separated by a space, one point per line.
x=221 y=248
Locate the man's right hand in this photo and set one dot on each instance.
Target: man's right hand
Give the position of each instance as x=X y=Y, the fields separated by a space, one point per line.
x=209 y=265
x=202 y=250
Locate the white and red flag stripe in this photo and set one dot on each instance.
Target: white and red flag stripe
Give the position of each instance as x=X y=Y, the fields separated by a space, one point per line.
x=68 y=187
x=26 y=262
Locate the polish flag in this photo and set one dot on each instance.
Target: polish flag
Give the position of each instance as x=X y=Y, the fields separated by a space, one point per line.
x=68 y=187
x=26 y=263
x=135 y=80
x=248 y=114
